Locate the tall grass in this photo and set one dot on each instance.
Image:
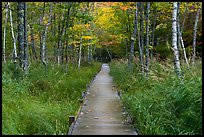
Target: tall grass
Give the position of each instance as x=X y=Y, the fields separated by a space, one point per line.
x=164 y=104
x=41 y=103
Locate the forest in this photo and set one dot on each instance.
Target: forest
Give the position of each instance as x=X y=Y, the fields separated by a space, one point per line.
x=51 y=51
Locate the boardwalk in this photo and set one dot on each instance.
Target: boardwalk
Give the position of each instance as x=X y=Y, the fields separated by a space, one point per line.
x=102 y=113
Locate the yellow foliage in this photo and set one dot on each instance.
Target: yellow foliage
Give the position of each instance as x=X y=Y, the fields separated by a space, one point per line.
x=77 y=27
x=86 y=37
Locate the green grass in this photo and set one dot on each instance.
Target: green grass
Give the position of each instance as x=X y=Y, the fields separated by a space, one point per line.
x=42 y=103
x=165 y=104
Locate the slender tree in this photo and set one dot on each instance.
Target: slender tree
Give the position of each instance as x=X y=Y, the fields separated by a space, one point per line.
x=41 y=29
x=80 y=50
x=25 y=39
x=184 y=18
x=174 y=40
x=142 y=33
x=177 y=26
x=13 y=36
x=182 y=45
x=21 y=32
x=4 y=42
x=44 y=39
x=33 y=43
x=132 y=40
x=147 y=39
x=153 y=33
x=194 y=36
x=139 y=42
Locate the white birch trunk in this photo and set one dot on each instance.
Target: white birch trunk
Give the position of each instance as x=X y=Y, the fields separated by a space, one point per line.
x=44 y=38
x=133 y=40
x=174 y=40
x=4 y=42
x=182 y=45
x=12 y=32
x=80 y=48
x=139 y=44
x=186 y=11
x=25 y=39
x=194 y=36
x=147 y=39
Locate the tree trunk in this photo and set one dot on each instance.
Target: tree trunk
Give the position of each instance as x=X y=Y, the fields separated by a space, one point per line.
x=21 y=32
x=25 y=39
x=174 y=40
x=108 y=53
x=53 y=33
x=142 y=32
x=40 y=30
x=33 y=44
x=139 y=44
x=59 y=47
x=182 y=44
x=67 y=37
x=186 y=11
x=133 y=40
x=80 y=48
x=194 y=36
x=14 y=43
x=66 y=52
x=147 y=39
x=4 y=42
x=13 y=37
x=177 y=26
x=155 y=19
x=44 y=39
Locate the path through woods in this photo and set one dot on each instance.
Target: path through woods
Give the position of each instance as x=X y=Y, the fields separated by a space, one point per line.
x=102 y=111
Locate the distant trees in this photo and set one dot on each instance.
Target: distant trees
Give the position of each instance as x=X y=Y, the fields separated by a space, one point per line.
x=75 y=32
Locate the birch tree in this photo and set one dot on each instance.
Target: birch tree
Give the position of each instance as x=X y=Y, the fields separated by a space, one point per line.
x=139 y=41
x=33 y=43
x=14 y=41
x=154 y=26
x=44 y=39
x=147 y=39
x=133 y=40
x=4 y=41
x=142 y=33
x=174 y=40
x=182 y=44
x=25 y=39
x=194 y=36
x=177 y=26
x=21 y=32
x=80 y=48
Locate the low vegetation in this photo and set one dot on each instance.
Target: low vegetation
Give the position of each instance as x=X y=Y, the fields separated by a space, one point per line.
x=42 y=103
x=164 y=104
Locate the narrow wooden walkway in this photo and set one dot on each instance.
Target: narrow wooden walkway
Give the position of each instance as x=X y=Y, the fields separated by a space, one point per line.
x=101 y=113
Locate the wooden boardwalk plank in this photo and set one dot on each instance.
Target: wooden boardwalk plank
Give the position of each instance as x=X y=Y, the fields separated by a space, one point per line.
x=101 y=113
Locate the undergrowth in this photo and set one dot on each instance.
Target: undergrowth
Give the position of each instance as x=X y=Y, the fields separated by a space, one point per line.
x=41 y=103
x=164 y=104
